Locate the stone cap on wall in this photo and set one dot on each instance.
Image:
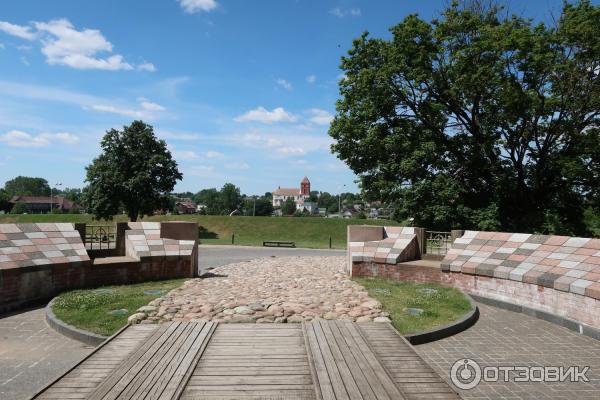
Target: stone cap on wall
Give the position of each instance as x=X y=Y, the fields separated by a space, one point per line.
x=570 y=264
x=27 y=245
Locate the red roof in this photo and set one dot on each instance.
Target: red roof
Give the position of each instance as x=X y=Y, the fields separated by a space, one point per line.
x=305 y=180
x=61 y=201
x=286 y=192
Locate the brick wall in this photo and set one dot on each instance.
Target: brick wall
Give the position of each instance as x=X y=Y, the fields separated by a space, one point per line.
x=33 y=275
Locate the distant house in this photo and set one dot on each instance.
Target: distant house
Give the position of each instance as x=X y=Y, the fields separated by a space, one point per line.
x=186 y=207
x=42 y=204
x=299 y=195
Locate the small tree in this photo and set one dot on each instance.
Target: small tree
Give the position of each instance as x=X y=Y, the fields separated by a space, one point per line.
x=288 y=207
x=19 y=208
x=135 y=170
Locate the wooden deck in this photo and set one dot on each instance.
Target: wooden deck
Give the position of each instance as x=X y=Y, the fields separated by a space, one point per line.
x=320 y=360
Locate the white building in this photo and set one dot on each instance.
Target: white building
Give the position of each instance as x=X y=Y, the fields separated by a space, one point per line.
x=299 y=195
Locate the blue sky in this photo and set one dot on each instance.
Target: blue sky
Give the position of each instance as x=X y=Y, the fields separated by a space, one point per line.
x=242 y=91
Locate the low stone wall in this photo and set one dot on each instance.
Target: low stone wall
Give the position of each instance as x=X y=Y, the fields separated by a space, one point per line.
x=39 y=261
x=570 y=306
x=383 y=244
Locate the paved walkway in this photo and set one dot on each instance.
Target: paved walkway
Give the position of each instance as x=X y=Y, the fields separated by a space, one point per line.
x=505 y=338
x=213 y=256
x=33 y=354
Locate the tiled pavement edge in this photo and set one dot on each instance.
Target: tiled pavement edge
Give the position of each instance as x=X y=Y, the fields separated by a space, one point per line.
x=32 y=354
x=506 y=338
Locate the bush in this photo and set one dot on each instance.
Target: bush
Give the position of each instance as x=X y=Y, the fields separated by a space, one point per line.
x=19 y=208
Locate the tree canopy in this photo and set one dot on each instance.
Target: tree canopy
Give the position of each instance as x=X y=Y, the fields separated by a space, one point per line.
x=135 y=172
x=475 y=120
x=27 y=186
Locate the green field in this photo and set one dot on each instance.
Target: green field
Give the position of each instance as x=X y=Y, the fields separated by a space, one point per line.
x=440 y=307
x=249 y=231
x=94 y=309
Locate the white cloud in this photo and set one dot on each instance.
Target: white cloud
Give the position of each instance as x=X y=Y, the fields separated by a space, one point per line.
x=214 y=154
x=311 y=79
x=17 y=138
x=146 y=66
x=320 y=117
x=238 y=166
x=121 y=111
x=150 y=106
x=284 y=84
x=263 y=115
x=185 y=155
x=341 y=13
x=194 y=6
x=23 y=32
x=64 y=45
x=291 y=151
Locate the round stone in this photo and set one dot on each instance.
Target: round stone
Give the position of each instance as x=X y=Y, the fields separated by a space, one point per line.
x=295 y=319
x=244 y=310
x=147 y=309
x=119 y=313
x=136 y=318
x=364 y=318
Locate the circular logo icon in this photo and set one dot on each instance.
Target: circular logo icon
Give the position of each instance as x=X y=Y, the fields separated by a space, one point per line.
x=465 y=374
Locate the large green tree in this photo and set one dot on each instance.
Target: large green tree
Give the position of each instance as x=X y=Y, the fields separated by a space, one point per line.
x=475 y=120
x=27 y=186
x=230 y=197
x=134 y=172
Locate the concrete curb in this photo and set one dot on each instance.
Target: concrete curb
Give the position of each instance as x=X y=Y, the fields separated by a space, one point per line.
x=450 y=329
x=70 y=331
x=570 y=324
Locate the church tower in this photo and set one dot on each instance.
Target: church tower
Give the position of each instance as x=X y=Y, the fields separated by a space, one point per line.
x=305 y=187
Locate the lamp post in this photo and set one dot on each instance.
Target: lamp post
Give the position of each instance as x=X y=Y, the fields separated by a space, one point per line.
x=58 y=184
x=254 y=208
x=340 y=201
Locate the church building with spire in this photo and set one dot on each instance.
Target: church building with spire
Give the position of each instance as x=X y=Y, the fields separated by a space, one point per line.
x=299 y=195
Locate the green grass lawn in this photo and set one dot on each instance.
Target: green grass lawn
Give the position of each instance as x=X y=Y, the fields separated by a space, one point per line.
x=90 y=309
x=439 y=308
x=249 y=231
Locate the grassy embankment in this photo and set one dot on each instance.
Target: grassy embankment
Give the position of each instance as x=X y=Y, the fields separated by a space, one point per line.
x=105 y=310
x=438 y=308
x=249 y=231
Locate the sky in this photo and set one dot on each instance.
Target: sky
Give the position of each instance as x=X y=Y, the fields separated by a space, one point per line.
x=241 y=91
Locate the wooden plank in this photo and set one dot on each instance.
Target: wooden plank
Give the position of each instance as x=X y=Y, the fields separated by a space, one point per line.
x=382 y=375
x=161 y=369
x=132 y=366
x=249 y=361
x=415 y=378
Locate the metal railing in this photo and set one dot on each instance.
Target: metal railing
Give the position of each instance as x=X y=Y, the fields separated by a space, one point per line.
x=100 y=237
x=438 y=242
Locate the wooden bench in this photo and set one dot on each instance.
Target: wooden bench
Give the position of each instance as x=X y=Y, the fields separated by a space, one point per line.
x=278 y=243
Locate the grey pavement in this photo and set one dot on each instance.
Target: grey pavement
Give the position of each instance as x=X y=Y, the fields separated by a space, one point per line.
x=212 y=256
x=505 y=338
x=32 y=354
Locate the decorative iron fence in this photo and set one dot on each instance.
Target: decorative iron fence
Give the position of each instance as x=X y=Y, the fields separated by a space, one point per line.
x=100 y=237
x=438 y=242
